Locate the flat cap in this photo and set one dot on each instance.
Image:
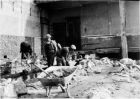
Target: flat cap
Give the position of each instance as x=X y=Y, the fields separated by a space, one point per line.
x=73 y=47
x=48 y=36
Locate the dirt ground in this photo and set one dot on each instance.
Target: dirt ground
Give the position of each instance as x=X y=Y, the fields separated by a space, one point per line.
x=94 y=86
x=95 y=82
x=106 y=86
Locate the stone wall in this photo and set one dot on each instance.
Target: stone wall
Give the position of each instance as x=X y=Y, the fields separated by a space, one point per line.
x=19 y=20
x=10 y=45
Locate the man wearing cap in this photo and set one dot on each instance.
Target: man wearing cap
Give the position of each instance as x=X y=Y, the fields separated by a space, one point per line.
x=72 y=52
x=50 y=50
x=65 y=53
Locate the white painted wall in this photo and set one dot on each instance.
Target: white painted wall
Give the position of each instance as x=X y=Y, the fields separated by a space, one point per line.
x=18 y=19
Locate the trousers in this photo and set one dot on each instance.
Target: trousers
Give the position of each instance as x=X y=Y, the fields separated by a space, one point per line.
x=50 y=59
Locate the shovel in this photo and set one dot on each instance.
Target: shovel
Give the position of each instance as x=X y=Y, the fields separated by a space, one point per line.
x=42 y=70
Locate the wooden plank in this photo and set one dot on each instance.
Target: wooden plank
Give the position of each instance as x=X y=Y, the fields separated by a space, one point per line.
x=90 y=43
x=123 y=27
x=21 y=74
x=134 y=49
x=133 y=41
x=107 y=42
x=108 y=50
x=66 y=71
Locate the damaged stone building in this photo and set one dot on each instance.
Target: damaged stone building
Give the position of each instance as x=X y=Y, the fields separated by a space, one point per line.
x=92 y=25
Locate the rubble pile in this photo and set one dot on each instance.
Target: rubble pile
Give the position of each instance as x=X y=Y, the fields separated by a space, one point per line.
x=11 y=88
x=104 y=77
x=94 y=78
x=16 y=65
x=91 y=65
x=109 y=82
x=107 y=66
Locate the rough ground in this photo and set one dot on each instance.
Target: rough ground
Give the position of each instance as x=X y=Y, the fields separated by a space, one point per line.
x=98 y=82
x=96 y=85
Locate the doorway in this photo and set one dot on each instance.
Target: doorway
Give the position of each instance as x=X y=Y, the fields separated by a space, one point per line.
x=68 y=32
x=59 y=33
x=73 y=31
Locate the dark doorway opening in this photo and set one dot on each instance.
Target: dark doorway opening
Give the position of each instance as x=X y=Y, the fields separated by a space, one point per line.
x=68 y=32
x=73 y=31
x=59 y=33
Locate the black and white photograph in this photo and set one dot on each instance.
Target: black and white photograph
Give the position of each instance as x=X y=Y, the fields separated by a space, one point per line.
x=70 y=49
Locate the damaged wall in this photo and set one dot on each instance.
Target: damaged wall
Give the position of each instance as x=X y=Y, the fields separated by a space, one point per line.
x=103 y=19
x=19 y=20
x=95 y=19
x=133 y=17
x=59 y=15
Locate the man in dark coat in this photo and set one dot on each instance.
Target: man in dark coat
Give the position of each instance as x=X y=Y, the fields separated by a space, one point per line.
x=25 y=50
x=50 y=50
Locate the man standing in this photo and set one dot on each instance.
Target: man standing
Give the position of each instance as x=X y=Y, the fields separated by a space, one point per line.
x=25 y=50
x=50 y=50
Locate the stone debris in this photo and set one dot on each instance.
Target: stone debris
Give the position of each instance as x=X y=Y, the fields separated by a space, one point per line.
x=20 y=86
x=8 y=89
x=94 y=78
x=100 y=93
x=11 y=88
